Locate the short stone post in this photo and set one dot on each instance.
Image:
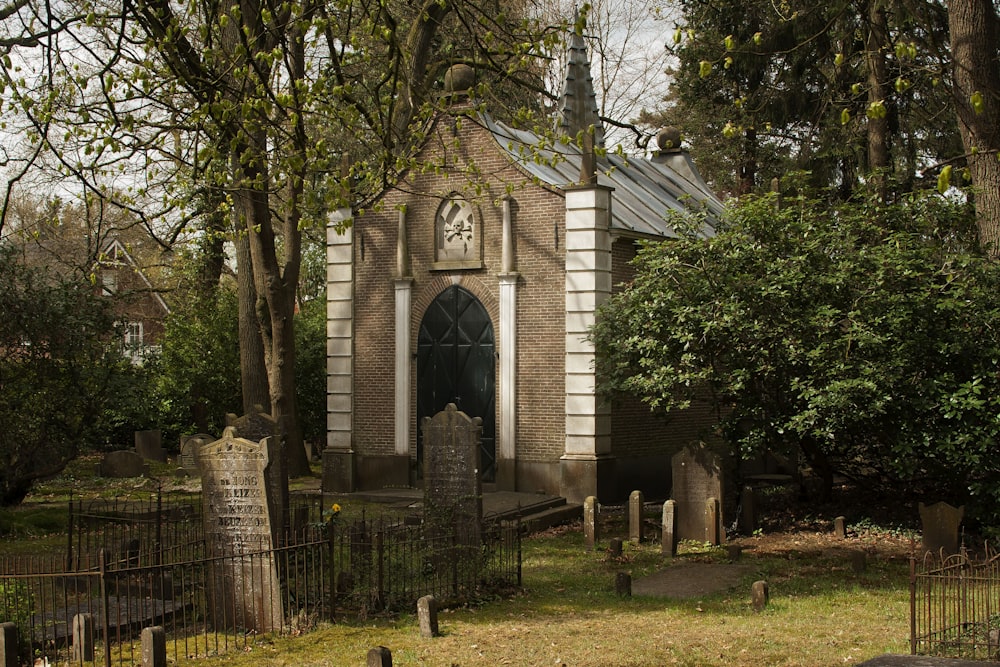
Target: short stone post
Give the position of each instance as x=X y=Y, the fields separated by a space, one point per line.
x=83 y=638
x=840 y=527
x=635 y=503
x=734 y=552
x=859 y=561
x=154 y=647
x=591 y=512
x=615 y=547
x=623 y=584
x=748 y=509
x=712 y=521
x=379 y=656
x=427 y=614
x=759 y=595
x=8 y=645
x=668 y=535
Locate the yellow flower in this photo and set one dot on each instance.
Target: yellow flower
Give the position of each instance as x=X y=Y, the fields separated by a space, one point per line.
x=335 y=508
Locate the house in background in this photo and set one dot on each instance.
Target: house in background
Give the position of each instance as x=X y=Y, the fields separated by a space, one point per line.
x=139 y=306
x=475 y=283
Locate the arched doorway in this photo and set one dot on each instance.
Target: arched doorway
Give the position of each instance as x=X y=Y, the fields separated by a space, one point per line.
x=456 y=363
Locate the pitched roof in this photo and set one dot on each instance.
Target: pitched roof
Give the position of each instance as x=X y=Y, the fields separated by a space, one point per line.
x=646 y=191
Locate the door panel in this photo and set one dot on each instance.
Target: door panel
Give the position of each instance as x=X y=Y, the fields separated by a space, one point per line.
x=456 y=363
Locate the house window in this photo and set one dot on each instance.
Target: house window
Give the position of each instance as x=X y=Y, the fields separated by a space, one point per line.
x=133 y=335
x=457 y=238
x=109 y=283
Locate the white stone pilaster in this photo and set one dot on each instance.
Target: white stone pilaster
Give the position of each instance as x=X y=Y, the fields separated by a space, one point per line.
x=507 y=445
x=403 y=366
x=588 y=284
x=340 y=330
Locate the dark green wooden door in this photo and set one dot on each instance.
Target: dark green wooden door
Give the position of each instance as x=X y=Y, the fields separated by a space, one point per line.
x=456 y=364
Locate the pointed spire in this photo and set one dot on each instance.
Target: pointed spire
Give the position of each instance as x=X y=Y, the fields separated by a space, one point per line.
x=578 y=106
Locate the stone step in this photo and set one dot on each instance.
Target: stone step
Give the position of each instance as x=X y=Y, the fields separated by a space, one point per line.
x=551 y=516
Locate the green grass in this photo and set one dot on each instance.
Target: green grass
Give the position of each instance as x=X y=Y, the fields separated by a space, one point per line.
x=821 y=612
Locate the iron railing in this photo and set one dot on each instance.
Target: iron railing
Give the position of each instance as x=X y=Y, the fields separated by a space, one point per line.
x=324 y=571
x=955 y=606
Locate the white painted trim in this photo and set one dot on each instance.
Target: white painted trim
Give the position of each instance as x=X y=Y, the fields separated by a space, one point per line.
x=507 y=443
x=403 y=366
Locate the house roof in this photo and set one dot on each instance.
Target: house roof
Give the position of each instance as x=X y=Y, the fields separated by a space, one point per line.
x=646 y=191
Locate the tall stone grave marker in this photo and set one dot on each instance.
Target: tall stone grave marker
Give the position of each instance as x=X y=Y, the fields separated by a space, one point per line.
x=697 y=477
x=255 y=426
x=244 y=579
x=453 y=488
x=189 y=449
x=940 y=523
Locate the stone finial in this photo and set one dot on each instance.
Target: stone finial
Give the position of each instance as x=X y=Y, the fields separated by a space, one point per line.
x=669 y=139
x=459 y=78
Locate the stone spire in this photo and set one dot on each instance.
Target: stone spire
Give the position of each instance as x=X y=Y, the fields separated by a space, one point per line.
x=578 y=105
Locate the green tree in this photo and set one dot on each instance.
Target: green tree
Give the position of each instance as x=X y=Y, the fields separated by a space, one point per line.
x=863 y=335
x=58 y=358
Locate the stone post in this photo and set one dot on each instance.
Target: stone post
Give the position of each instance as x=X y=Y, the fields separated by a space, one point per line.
x=668 y=537
x=427 y=614
x=635 y=503
x=8 y=645
x=154 y=647
x=83 y=638
x=379 y=656
x=760 y=595
x=591 y=512
x=712 y=535
x=623 y=584
x=840 y=527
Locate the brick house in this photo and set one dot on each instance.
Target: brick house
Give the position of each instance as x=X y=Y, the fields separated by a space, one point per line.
x=475 y=283
x=139 y=307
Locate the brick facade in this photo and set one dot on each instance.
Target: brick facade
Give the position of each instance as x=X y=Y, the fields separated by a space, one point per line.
x=471 y=164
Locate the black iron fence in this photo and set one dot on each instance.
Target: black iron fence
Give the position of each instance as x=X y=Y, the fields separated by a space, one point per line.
x=91 y=609
x=955 y=606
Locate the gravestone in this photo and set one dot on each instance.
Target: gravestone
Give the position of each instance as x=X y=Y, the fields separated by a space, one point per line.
x=148 y=445
x=453 y=488
x=189 y=450
x=255 y=426
x=237 y=516
x=697 y=478
x=668 y=525
x=940 y=523
x=122 y=463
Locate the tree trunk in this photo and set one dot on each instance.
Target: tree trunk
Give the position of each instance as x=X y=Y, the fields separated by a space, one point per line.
x=253 y=370
x=973 y=26
x=876 y=45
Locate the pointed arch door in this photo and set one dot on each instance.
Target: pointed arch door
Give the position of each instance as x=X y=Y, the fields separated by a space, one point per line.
x=456 y=355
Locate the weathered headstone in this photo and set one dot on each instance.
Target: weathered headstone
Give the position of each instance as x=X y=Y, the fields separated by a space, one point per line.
x=149 y=446
x=190 y=445
x=713 y=524
x=859 y=560
x=697 y=476
x=940 y=523
x=590 y=525
x=635 y=506
x=255 y=426
x=453 y=488
x=121 y=464
x=668 y=536
x=615 y=547
x=237 y=518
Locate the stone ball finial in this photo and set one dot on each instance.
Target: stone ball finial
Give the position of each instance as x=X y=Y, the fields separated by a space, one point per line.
x=668 y=139
x=459 y=78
